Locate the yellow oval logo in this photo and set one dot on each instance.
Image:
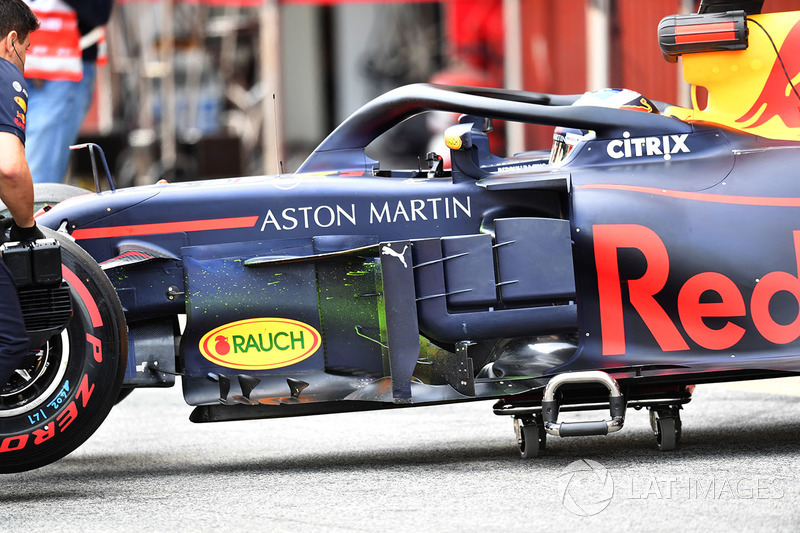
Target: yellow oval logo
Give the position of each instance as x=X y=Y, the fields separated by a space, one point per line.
x=452 y=141
x=260 y=343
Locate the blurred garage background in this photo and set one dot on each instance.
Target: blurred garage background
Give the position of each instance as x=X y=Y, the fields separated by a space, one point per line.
x=201 y=89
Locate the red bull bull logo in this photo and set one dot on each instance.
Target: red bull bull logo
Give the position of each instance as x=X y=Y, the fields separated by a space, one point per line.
x=750 y=89
x=779 y=98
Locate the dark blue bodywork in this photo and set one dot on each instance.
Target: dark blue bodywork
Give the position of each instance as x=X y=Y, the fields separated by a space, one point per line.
x=427 y=285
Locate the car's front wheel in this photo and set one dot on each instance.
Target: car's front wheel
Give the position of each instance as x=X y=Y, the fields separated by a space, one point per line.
x=65 y=390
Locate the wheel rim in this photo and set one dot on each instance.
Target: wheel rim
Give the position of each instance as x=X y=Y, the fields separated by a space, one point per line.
x=33 y=384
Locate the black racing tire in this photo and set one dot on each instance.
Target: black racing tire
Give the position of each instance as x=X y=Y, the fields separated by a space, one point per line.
x=76 y=377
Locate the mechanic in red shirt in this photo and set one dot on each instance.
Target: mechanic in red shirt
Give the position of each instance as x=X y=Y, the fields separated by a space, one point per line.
x=17 y=21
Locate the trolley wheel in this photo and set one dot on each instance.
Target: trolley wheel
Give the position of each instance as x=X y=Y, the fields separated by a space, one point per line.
x=666 y=424
x=542 y=436
x=666 y=434
x=539 y=422
x=531 y=437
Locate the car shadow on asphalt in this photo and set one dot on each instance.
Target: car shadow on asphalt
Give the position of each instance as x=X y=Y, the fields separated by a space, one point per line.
x=619 y=449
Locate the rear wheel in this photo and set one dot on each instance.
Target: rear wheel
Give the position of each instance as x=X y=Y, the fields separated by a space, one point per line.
x=65 y=390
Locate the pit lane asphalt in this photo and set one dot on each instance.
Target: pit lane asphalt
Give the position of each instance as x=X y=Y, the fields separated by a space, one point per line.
x=446 y=468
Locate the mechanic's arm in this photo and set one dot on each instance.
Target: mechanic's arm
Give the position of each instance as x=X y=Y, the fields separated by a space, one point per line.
x=16 y=185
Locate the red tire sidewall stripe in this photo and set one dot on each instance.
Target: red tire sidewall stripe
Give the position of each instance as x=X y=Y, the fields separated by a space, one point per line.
x=86 y=297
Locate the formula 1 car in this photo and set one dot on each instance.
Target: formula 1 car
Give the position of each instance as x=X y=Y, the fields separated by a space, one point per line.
x=652 y=252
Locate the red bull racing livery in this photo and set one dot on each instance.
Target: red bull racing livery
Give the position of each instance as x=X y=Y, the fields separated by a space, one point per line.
x=659 y=250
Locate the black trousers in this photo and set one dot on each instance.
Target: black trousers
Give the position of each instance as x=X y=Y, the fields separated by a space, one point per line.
x=13 y=338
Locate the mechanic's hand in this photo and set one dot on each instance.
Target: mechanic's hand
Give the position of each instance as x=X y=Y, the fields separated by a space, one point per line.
x=25 y=234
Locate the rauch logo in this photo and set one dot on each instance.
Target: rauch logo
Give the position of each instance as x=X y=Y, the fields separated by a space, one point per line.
x=260 y=343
